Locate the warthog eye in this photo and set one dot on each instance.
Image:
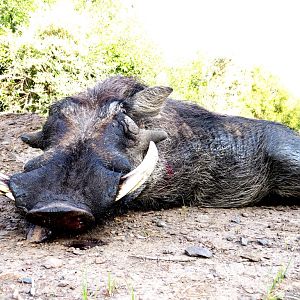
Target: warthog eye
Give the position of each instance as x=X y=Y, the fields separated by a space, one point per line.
x=131 y=130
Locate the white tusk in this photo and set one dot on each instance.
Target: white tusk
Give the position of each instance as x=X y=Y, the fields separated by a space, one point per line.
x=10 y=196
x=3 y=177
x=4 y=188
x=134 y=179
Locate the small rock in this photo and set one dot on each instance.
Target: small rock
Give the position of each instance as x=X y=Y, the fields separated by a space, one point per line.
x=141 y=237
x=52 y=263
x=190 y=238
x=229 y=238
x=263 y=242
x=245 y=215
x=99 y=260
x=63 y=283
x=160 y=223
x=244 y=241
x=196 y=251
x=32 y=291
x=77 y=252
x=251 y=257
x=16 y=295
x=26 y=280
x=168 y=251
x=236 y=220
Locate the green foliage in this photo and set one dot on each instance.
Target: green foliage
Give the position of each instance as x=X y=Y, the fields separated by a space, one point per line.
x=222 y=86
x=14 y=13
x=271 y=101
x=60 y=54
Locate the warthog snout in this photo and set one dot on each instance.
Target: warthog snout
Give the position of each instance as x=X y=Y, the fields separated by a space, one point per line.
x=61 y=215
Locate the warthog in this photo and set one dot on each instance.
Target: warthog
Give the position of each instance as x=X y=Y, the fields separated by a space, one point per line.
x=122 y=144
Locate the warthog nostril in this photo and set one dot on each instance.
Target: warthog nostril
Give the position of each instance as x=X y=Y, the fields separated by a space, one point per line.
x=62 y=216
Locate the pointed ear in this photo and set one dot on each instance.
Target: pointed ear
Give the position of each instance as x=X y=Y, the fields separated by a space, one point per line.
x=148 y=102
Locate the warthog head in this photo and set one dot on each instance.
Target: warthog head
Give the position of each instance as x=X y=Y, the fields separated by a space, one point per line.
x=96 y=152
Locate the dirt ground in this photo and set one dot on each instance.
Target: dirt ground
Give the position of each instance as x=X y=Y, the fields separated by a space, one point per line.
x=142 y=255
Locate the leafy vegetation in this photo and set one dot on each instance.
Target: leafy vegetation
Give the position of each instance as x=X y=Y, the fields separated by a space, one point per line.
x=53 y=48
x=14 y=13
x=222 y=86
x=54 y=56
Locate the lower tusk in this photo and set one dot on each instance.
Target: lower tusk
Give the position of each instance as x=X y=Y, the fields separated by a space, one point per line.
x=134 y=179
x=4 y=188
x=10 y=196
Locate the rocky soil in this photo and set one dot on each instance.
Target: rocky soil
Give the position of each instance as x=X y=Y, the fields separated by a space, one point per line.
x=254 y=252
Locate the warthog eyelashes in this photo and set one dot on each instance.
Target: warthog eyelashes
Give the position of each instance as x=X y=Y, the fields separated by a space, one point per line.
x=130 y=127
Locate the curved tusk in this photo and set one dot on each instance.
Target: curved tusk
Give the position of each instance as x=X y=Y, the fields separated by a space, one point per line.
x=134 y=179
x=3 y=177
x=4 y=188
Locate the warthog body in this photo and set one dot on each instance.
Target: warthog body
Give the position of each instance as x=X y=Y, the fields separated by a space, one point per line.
x=92 y=140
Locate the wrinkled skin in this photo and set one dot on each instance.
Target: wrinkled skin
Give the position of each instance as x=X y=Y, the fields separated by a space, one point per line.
x=93 y=139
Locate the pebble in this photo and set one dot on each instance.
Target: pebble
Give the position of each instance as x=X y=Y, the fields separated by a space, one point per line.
x=229 y=238
x=251 y=257
x=52 y=263
x=196 y=251
x=168 y=251
x=236 y=220
x=141 y=237
x=263 y=242
x=77 y=252
x=244 y=241
x=63 y=283
x=100 y=260
x=190 y=238
x=16 y=295
x=160 y=223
x=26 y=280
x=32 y=291
x=245 y=215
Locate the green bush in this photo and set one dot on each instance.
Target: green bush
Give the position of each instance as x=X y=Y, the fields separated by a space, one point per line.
x=14 y=13
x=51 y=59
x=222 y=86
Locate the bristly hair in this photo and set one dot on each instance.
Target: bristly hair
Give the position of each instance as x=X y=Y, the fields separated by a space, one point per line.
x=117 y=87
x=114 y=88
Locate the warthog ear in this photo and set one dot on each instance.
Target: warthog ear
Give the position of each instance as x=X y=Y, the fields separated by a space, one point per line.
x=34 y=140
x=148 y=102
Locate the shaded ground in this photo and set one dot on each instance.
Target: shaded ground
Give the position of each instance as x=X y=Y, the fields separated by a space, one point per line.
x=141 y=255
